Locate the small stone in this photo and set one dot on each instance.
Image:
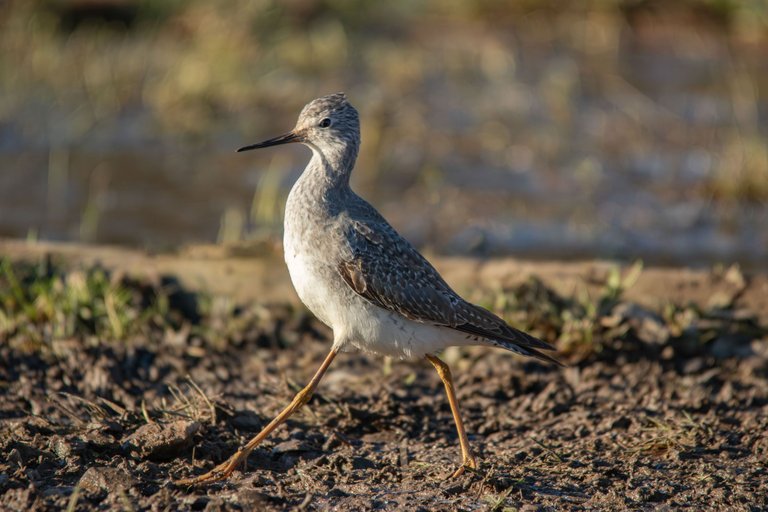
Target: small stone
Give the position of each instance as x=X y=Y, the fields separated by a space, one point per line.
x=162 y=441
x=100 y=478
x=293 y=445
x=248 y=421
x=252 y=499
x=693 y=365
x=99 y=440
x=61 y=447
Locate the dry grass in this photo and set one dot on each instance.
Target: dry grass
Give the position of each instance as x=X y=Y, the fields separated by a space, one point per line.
x=585 y=325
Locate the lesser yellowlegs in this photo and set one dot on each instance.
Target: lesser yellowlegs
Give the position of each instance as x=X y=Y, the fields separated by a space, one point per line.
x=361 y=278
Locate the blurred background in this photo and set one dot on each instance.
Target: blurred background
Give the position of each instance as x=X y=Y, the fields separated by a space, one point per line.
x=537 y=128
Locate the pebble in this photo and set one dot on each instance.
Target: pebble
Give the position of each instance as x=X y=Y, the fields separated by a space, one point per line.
x=162 y=441
x=98 y=478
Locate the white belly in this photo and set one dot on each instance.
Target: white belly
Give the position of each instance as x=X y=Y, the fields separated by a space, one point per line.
x=357 y=322
x=388 y=333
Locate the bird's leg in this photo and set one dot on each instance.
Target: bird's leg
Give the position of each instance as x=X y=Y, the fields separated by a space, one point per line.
x=468 y=460
x=222 y=471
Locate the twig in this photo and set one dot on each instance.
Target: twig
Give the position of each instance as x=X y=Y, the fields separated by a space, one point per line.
x=496 y=506
x=305 y=503
x=112 y=405
x=548 y=449
x=72 y=505
x=205 y=398
x=145 y=413
x=179 y=397
x=95 y=409
x=66 y=410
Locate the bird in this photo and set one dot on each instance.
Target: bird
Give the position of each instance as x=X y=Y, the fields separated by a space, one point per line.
x=360 y=277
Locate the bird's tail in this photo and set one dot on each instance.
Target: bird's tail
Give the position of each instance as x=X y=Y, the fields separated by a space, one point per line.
x=526 y=345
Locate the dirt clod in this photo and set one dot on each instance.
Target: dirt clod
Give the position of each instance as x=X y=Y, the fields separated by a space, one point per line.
x=162 y=441
x=98 y=479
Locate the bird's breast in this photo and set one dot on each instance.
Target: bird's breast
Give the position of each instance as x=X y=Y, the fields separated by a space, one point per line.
x=310 y=253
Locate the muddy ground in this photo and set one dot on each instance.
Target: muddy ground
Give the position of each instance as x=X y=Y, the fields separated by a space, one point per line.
x=656 y=409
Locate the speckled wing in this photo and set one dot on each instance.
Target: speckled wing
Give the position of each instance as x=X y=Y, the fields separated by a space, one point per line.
x=386 y=270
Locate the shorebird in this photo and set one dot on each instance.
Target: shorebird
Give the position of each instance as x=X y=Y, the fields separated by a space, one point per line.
x=361 y=278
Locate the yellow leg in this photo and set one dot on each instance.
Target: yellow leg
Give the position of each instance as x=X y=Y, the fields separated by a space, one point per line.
x=222 y=471
x=468 y=460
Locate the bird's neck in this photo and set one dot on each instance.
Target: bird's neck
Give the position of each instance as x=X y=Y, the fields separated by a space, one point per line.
x=331 y=166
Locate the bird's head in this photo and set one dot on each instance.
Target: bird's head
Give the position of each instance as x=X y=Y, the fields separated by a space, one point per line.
x=327 y=122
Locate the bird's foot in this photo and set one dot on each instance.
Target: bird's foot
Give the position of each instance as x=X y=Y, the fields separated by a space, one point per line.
x=220 y=472
x=469 y=464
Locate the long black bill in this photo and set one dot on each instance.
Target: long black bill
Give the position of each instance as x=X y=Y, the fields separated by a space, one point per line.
x=282 y=139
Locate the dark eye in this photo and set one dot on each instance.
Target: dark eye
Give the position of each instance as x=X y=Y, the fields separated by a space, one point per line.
x=325 y=123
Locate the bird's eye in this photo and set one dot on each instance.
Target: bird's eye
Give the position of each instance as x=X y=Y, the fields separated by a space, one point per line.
x=325 y=123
